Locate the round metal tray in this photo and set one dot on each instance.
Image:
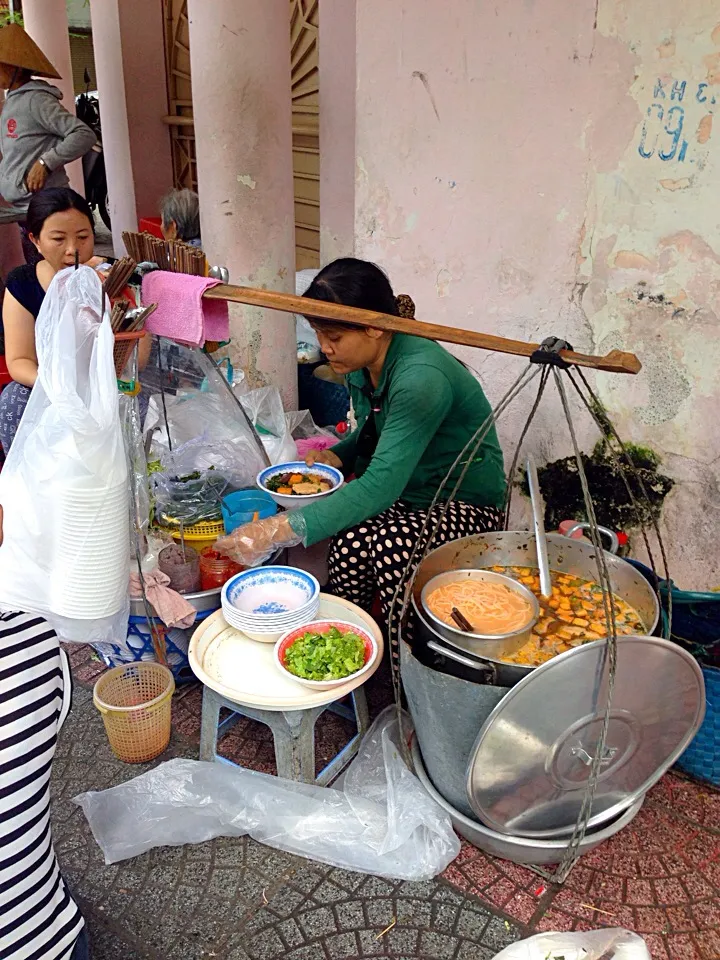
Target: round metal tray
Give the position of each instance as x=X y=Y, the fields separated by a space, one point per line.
x=521 y=850
x=529 y=769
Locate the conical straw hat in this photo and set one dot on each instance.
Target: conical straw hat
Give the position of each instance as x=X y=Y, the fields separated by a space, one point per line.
x=19 y=50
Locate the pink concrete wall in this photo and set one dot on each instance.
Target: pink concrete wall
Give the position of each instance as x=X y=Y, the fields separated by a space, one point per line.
x=240 y=56
x=141 y=25
x=504 y=180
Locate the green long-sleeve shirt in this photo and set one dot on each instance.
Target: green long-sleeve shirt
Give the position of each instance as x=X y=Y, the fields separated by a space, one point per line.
x=430 y=406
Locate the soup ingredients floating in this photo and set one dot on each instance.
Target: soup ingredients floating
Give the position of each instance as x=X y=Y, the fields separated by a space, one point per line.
x=491 y=609
x=298 y=484
x=326 y=656
x=573 y=615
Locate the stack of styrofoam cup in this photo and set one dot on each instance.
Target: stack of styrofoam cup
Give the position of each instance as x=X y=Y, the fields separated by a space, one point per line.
x=90 y=576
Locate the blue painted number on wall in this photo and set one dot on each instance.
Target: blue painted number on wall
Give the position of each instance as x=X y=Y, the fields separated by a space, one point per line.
x=662 y=129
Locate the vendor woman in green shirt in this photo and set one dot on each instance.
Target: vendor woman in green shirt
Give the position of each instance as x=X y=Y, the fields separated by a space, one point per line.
x=416 y=407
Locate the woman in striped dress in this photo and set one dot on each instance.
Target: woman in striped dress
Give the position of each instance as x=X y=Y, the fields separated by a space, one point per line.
x=39 y=920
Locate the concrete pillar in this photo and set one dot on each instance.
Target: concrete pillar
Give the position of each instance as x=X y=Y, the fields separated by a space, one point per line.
x=240 y=59
x=130 y=65
x=47 y=23
x=337 y=129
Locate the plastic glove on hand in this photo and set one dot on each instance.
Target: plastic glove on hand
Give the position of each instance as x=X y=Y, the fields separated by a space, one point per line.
x=254 y=543
x=323 y=456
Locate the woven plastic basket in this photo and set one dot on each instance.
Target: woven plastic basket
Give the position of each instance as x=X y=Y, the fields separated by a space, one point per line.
x=124 y=345
x=702 y=757
x=199 y=535
x=135 y=702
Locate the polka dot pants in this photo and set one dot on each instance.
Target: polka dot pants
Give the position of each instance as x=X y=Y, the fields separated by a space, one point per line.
x=371 y=558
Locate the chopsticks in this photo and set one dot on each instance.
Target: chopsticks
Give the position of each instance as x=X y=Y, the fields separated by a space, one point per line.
x=122 y=323
x=461 y=621
x=118 y=276
x=174 y=256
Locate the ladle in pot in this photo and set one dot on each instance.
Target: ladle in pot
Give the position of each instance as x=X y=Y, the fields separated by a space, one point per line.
x=539 y=522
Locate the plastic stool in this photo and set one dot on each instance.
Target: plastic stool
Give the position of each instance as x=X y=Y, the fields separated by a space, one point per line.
x=293 y=734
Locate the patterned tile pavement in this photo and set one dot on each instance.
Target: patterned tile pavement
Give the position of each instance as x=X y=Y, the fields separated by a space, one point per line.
x=239 y=900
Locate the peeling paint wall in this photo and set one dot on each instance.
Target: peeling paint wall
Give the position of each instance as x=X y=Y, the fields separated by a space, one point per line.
x=551 y=168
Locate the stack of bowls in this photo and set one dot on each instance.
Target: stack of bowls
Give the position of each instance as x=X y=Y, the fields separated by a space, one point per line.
x=267 y=602
x=92 y=549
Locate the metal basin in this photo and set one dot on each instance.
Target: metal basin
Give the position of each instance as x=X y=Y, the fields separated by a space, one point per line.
x=518 y=849
x=517 y=549
x=484 y=645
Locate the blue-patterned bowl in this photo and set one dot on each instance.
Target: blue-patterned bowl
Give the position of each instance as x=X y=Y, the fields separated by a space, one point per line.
x=292 y=501
x=269 y=596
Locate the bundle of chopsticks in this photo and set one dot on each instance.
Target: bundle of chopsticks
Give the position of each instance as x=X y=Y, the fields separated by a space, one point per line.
x=175 y=256
x=122 y=323
x=118 y=275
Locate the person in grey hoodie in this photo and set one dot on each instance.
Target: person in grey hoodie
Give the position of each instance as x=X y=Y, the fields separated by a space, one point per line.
x=38 y=136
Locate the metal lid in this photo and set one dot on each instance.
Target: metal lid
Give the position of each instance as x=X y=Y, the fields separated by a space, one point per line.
x=531 y=760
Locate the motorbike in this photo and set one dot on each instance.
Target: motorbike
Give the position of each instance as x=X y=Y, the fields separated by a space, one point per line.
x=88 y=110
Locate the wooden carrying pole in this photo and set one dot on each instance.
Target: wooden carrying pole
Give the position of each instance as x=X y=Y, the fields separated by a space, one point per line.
x=614 y=362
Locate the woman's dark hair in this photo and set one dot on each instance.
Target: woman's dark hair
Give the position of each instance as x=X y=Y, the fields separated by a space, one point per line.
x=357 y=283
x=354 y=283
x=55 y=200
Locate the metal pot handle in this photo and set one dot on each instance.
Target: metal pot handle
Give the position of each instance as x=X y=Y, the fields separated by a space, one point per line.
x=604 y=531
x=486 y=668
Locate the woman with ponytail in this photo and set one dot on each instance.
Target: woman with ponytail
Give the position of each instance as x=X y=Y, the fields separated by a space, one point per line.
x=417 y=407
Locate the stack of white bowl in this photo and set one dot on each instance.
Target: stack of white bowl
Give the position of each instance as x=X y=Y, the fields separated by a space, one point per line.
x=89 y=577
x=266 y=602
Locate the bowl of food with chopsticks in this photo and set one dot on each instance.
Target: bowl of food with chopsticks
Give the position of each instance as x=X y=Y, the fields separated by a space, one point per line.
x=293 y=485
x=493 y=611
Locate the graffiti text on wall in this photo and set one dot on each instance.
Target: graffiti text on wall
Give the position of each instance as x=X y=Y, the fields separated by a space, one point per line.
x=662 y=129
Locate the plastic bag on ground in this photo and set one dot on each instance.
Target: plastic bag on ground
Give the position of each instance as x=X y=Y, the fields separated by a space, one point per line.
x=381 y=821
x=611 y=944
x=64 y=487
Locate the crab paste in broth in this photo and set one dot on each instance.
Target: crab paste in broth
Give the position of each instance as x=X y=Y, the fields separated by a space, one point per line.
x=573 y=615
x=490 y=608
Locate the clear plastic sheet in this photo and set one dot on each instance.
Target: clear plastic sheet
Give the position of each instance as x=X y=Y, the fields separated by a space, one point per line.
x=64 y=489
x=184 y=387
x=264 y=407
x=381 y=821
x=611 y=944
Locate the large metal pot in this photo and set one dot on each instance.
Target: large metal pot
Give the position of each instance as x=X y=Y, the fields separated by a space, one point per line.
x=524 y=850
x=517 y=549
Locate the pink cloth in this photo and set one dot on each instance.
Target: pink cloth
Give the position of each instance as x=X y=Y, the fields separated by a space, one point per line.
x=314 y=443
x=172 y=608
x=182 y=314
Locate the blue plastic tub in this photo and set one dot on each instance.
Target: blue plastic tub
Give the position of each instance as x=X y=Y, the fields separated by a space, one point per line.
x=695 y=617
x=239 y=508
x=702 y=757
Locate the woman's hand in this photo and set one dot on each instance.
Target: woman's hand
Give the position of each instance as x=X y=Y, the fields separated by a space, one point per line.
x=323 y=456
x=254 y=543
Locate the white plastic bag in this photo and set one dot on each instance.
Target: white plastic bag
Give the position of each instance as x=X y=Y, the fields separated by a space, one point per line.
x=64 y=487
x=380 y=822
x=612 y=944
x=265 y=408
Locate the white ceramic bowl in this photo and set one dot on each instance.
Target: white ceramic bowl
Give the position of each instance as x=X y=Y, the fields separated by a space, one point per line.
x=321 y=626
x=331 y=474
x=270 y=592
x=260 y=626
